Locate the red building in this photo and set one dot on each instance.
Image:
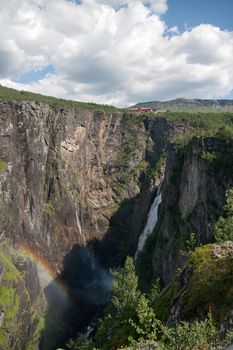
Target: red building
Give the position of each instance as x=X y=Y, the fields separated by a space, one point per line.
x=141 y=110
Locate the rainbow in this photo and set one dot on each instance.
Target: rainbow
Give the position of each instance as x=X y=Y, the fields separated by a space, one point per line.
x=48 y=278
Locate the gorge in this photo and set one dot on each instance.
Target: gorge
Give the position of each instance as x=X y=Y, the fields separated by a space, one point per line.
x=81 y=190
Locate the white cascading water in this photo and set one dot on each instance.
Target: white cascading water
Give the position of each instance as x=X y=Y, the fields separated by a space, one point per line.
x=77 y=220
x=151 y=222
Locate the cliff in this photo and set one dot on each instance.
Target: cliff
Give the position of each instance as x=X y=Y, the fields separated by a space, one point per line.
x=195 y=185
x=67 y=175
x=76 y=187
x=73 y=178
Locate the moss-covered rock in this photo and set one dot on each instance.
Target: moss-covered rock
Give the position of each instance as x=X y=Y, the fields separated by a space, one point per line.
x=21 y=305
x=204 y=285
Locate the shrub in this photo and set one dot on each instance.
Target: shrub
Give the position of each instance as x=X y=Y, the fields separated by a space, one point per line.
x=224 y=226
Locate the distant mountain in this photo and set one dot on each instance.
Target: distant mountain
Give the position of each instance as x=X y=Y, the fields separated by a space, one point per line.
x=189 y=104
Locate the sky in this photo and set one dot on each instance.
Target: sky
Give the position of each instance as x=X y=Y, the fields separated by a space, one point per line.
x=118 y=52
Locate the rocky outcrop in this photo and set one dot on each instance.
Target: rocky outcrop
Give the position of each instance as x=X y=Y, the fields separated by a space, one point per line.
x=196 y=180
x=203 y=286
x=21 y=302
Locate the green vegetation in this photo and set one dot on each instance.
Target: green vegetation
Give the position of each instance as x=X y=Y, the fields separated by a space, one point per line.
x=3 y=339
x=128 y=318
x=163 y=305
x=220 y=160
x=131 y=318
x=211 y=286
x=126 y=174
x=209 y=156
x=158 y=169
x=189 y=336
x=224 y=226
x=7 y=94
x=10 y=271
x=191 y=243
x=211 y=122
x=144 y=263
x=48 y=209
x=15 y=308
x=202 y=125
x=129 y=150
x=3 y=166
x=12 y=288
x=38 y=321
x=7 y=297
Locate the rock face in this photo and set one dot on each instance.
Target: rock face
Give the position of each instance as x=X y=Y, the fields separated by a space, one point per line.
x=60 y=166
x=67 y=174
x=21 y=302
x=195 y=185
x=74 y=178
x=77 y=185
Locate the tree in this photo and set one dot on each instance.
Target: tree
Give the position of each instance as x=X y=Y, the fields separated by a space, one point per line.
x=144 y=324
x=129 y=317
x=224 y=226
x=125 y=291
x=81 y=343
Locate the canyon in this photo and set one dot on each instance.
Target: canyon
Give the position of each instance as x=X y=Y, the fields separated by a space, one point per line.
x=77 y=186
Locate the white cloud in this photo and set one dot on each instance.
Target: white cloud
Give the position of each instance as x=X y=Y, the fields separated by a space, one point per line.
x=107 y=52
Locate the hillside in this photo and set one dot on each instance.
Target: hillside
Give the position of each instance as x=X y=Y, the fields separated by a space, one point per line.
x=8 y=94
x=183 y=104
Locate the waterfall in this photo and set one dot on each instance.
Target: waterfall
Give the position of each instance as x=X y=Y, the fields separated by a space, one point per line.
x=78 y=224
x=151 y=222
x=77 y=220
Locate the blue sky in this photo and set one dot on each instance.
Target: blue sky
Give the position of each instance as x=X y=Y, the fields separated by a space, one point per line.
x=103 y=51
x=191 y=13
x=35 y=75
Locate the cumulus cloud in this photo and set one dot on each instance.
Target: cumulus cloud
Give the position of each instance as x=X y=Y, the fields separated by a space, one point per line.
x=111 y=51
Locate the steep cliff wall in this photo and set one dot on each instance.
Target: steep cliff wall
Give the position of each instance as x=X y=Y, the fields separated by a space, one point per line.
x=76 y=187
x=74 y=178
x=59 y=168
x=196 y=179
x=66 y=172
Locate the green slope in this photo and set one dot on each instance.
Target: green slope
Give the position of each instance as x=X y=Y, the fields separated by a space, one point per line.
x=8 y=94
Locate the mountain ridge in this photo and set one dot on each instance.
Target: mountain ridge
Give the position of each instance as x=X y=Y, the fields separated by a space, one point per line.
x=189 y=104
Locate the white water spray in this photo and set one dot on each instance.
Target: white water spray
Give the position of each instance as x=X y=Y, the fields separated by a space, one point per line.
x=78 y=221
x=151 y=222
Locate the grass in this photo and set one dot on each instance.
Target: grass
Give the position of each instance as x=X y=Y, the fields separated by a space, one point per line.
x=3 y=339
x=3 y=166
x=11 y=273
x=7 y=296
x=202 y=120
x=8 y=94
x=15 y=308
